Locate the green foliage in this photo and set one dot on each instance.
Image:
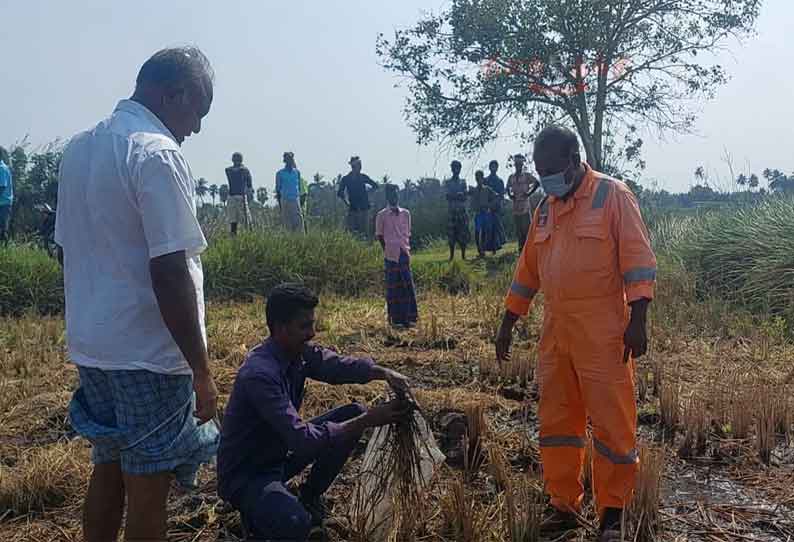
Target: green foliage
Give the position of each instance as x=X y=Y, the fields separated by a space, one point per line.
x=254 y=262
x=605 y=66
x=745 y=255
x=29 y=280
x=35 y=178
x=454 y=277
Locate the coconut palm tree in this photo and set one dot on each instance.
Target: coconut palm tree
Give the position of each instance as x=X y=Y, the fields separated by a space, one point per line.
x=202 y=187
x=213 y=192
x=223 y=193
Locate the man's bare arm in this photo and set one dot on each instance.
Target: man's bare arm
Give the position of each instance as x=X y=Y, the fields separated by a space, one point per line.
x=176 y=296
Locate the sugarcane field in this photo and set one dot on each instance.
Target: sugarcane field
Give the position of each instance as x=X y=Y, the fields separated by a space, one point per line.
x=429 y=271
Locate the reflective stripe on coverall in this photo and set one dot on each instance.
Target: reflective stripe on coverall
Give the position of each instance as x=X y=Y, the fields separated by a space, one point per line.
x=590 y=256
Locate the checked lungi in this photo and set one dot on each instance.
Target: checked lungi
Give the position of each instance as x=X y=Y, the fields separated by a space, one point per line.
x=400 y=293
x=458 y=227
x=144 y=421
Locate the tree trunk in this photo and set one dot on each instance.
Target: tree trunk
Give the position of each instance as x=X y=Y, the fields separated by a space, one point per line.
x=600 y=107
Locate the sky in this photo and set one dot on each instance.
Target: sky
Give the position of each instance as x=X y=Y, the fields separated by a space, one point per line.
x=302 y=75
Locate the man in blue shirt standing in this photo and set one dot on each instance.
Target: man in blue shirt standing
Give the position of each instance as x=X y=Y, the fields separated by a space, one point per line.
x=288 y=194
x=355 y=184
x=6 y=194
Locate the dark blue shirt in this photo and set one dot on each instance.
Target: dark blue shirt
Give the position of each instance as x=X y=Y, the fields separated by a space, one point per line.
x=261 y=422
x=356 y=187
x=496 y=184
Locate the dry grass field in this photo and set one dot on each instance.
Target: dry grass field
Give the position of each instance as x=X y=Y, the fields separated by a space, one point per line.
x=715 y=420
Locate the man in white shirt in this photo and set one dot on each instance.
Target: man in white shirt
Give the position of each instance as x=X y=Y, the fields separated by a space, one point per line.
x=126 y=224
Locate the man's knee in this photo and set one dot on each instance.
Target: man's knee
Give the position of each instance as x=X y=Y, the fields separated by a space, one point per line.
x=276 y=514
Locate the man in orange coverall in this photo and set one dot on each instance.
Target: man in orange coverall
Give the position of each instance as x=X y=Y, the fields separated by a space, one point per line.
x=588 y=252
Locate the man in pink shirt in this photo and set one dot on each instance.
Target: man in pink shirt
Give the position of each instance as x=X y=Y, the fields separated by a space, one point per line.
x=393 y=230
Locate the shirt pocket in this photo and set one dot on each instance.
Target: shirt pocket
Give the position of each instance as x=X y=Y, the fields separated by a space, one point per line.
x=592 y=248
x=542 y=236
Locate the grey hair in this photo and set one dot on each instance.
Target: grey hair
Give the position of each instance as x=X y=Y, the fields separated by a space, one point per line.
x=176 y=66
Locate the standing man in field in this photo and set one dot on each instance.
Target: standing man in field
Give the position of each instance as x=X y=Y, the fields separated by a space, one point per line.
x=6 y=194
x=457 y=217
x=588 y=253
x=354 y=184
x=495 y=183
x=393 y=231
x=483 y=202
x=520 y=187
x=288 y=194
x=265 y=441
x=126 y=224
x=241 y=190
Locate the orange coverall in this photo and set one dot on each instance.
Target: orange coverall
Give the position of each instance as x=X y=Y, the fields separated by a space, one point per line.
x=590 y=256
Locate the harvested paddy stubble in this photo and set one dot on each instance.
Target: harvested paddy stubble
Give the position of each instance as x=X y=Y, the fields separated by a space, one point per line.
x=34 y=377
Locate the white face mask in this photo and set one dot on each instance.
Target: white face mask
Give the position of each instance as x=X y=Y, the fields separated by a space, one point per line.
x=556 y=185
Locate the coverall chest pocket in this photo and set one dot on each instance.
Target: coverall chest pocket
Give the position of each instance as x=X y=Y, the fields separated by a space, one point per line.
x=591 y=246
x=541 y=239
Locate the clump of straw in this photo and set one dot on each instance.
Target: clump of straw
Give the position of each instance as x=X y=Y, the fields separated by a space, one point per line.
x=643 y=511
x=49 y=477
x=669 y=405
x=772 y=417
x=397 y=475
x=696 y=425
x=463 y=520
x=740 y=407
x=520 y=368
x=524 y=502
x=475 y=431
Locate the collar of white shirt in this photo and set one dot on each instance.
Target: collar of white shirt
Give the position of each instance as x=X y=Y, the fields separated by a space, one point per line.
x=139 y=110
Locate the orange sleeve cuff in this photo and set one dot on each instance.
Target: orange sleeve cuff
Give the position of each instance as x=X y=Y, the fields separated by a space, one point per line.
x=639 y=290
x=517 y=305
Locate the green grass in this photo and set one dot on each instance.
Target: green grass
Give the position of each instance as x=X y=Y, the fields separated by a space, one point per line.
x=251 y=264
x=745 y=256
x=248 y=266
x=29 y=280
x=432 y=269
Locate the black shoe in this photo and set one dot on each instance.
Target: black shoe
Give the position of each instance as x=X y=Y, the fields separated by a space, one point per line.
x=610 y=524
x=317 y=509
x=559 y=522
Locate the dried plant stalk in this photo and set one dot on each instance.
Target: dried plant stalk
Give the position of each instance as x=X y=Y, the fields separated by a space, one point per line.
x=657 y=372
x=643 y=511
x=740 y=407
x=499 y=468
x=488 y=366
x=771 y=415
x=783 y=414
x=463 y=520
x=643 y=384
x=524 y=509
x=397 y=471
x=520 y=368
x=719 y=397
x=669 y=405
x=524 y=502
x=475 y=431
x=696 y=425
